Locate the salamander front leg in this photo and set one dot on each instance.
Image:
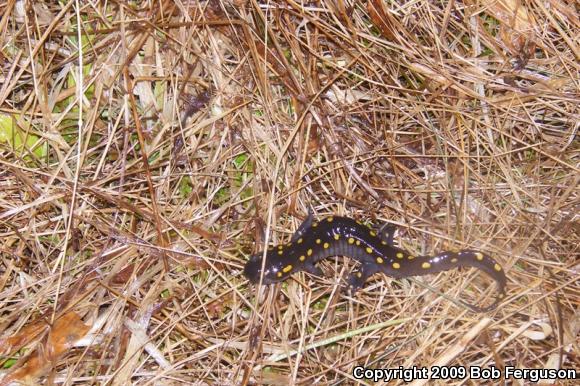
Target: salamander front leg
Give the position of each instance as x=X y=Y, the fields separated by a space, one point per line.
x=304 y=227
x=387 y=233
x=312 y=269
x=358 y=278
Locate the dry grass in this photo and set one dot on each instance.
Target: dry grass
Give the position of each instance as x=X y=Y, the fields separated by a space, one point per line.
x=128 y=208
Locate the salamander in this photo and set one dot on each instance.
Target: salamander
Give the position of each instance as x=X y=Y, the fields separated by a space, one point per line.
x=342 y=236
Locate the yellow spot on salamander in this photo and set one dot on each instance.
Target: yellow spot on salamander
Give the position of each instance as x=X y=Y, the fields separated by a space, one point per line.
x=373 y=233
x=369 y=250
x=350 y=240
x=300 y=240
x=279 y=274
x=400 y=255
x=359 y=274
x=384 y=242
x=318 y=241
x=287 y=268
x=426 y=265
x=330 y=219
x=314 y=225
x=396 y=265
x=280 y=252
x=410 y=257
x=280 y=247
x=358 y=242
x=454 y=260
x=380 y=260
x=497 y=267
x=302 y=258
x=325 y=245
x=309 y=252
x=479 y=256
x=337 y=236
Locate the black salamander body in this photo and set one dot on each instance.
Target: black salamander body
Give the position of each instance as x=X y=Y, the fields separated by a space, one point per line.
x=341 y=236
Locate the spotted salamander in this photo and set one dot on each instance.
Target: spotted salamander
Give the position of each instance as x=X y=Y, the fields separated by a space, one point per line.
x=375 y=251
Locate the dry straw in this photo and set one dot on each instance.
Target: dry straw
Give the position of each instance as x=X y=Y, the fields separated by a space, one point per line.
x=148 y=148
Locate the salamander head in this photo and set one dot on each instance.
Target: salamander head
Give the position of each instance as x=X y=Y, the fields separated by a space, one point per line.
x=272 y=270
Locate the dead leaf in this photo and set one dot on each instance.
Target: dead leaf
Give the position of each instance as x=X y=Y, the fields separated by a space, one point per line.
x=517 y=24
x=65 y=332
